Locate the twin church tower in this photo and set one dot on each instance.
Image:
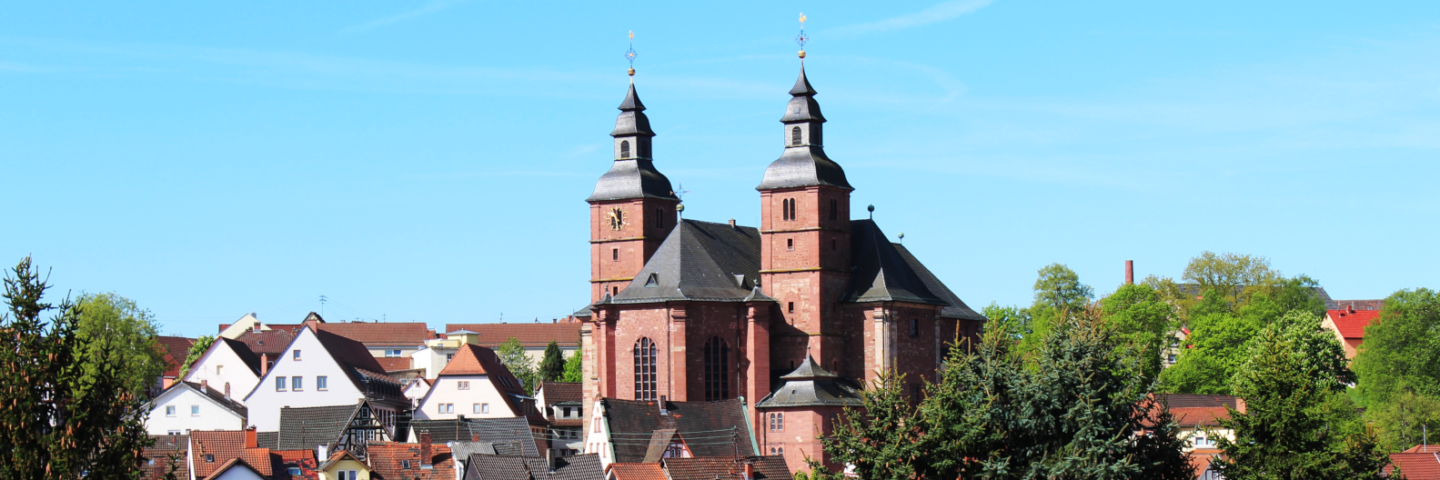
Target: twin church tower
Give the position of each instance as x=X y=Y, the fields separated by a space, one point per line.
x=812 y=301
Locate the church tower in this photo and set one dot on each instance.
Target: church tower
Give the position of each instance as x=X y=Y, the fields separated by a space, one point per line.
x=805 y=229
x=633 y=206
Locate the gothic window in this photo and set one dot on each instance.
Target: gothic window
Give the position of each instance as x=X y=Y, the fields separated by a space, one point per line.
x=717 y=368
x=795 y=136
x=645 y=369
x=624 y=149
x=834 y=209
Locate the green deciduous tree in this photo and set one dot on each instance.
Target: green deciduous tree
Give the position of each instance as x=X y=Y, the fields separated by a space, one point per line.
x=1289 y=430
x=552 y=365
x=1142 y=323
x=512 y=354
x=1401 y=349
x=114 y=323
x=1406 y=420
x=69 y=407
x=1013 y=321
x=574 y=370
x=1058 y=294
x=196 y=351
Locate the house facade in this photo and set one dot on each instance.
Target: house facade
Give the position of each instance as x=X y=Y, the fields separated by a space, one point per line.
x=473 y=384
x=534 y=337
x=562 y=406
x=189 y=406
x=319 y=368
x=229 y=366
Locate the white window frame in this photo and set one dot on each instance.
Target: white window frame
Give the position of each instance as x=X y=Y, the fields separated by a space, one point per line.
x=281 y=384
x=194 y=410
x=322 y=383
x=484 y=408
x=462 y=385
x=169 y=410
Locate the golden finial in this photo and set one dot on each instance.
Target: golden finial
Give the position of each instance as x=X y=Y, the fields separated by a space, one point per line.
x=801 y=38
x=630 y=55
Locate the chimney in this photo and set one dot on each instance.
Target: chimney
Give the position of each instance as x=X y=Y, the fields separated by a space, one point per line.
x=1240 y=405
x=251 y=441
x=425 y=451
x=320 y=453
x=264 y=364
x=1352 y=307
x=1129 y=272
x=204 y=386
x=550 y=456
x=749 y=471
x=732 y=223
x=663 y=411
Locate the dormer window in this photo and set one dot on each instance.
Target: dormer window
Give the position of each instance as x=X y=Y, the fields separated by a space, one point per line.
x=795 y=136
x=624 y=149
x=653 y=280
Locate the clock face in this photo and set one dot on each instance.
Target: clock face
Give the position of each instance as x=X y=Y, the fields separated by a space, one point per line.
x=617 y=219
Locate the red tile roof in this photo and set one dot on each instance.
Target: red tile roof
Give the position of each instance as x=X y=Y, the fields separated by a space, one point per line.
x=1352 y=324
x=301 y=459
x=159 y=456
x=387 y=461
x=637 y=471
x=392 y=364
x=477 y=360
x=1200 y=416
x=225 y=446
x=381 y=334
x=1423 y=449
x=175 y=350
x=529 y=334
x=556 y=392
x=272 y=342
x=726 y=468
x=1416 y=466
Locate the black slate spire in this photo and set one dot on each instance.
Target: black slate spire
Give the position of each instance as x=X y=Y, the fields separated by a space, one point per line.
x=633 y=175
x=803 y=163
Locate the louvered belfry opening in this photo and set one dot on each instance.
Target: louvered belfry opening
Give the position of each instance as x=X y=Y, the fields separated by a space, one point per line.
x=645 y=369
x=717 y=362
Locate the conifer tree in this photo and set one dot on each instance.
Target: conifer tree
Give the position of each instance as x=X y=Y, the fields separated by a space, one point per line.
x=552 y=366
x=883 y=440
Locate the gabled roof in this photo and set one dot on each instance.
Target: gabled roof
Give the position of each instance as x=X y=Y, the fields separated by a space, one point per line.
x=338 y=456
x=632 y=424
x=699 y=261
x=236 y=463
x=214 y=395
x=500 y=467
x=224 y=446
x=393 y=364
x=726 y=468
x=881 y=272
x=507 y=435
x=558 y=392
x=1415 y=466
x=637 y=471
x=528 y=334
x=361 y=367
x=954 y=307
x=271 y=342
x=810 y=386
x=387 y=461
x=1351 y=325
x=308 y=427
x=382 y=334
x=175 y=350
x=159 y=455
x=243 y=351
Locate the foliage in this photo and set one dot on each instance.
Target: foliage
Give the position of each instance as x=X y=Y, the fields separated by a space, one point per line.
x=574 y=370
x=1210 y=356
x=1143 y=323
x=109 y=321
x=1235 y=276
x=69 y=408
x=1235 y=281
x=552 y=365
x=512 y=354
x=1013 y=321
x=197 y=350
x=883 y=440
x=1318 y=349
x=1286 y=431
x=1405 y=420
x=1401 y=349
x=1058 y=294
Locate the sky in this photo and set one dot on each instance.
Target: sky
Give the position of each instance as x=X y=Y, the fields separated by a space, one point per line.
x=429 y=160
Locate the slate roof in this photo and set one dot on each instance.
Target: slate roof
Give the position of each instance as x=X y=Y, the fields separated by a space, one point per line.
x=394 y=364
x=272 y=342
x=382 y=334
x=699 y=261
x=881 y=273
x=634 y=177
x=559 y=392
x=637 y=471
x=954 y=307
x=721 y=425
x=243 y=351
x=803 y=165
x=175 y=350
x=270 y=440
x=386 y=460
x=508 y=435
x=307 y=427
x=726 y=468
x=363 y=369
x=159 y=456
x=1352 y=324
x=498 y=467
x=529 y=334
x=811 y=385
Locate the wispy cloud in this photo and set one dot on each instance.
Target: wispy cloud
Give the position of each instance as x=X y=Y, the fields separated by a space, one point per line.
x=938 y=13
x=429 y=8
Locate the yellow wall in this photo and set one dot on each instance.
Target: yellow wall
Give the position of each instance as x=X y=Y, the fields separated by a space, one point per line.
x=346 y=464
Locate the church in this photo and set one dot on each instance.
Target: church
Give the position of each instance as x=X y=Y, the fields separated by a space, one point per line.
x=793 y=316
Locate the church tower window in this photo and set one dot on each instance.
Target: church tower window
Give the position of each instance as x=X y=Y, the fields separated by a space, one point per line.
x=624 y=149
x=645 y=369
x=795 y=136
x=834 y=209
x=717 y=368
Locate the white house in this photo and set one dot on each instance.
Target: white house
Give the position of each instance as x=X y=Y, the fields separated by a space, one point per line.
x=319 y=368
x=474 y=384
x=236 y=469
x=560 y=404
x=228 y=366
x=189 y=406
x=438 y=352
x=416 y=389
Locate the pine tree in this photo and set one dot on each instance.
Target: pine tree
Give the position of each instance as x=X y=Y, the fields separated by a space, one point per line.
x=1286 y=431
x=69 y=409
x=552 y=366
x=512 y=354
x=883 y=440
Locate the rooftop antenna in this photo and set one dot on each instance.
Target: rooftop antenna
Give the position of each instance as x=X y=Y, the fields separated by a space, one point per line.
x=322 y=305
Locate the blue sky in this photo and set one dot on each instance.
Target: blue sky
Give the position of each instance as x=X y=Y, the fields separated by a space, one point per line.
x=429 y=161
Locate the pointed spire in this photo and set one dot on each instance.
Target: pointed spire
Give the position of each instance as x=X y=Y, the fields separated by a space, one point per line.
x=632 y=101
x=632 y=120
x=802 y=107
x=802 y=85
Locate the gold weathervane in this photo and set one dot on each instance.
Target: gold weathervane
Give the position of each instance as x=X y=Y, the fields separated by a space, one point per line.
x=630 y=56
x=801 y=38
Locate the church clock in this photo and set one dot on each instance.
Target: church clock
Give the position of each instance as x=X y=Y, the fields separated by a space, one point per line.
x=617 y=219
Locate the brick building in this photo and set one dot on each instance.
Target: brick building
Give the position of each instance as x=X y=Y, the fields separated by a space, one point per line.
x=688 y=310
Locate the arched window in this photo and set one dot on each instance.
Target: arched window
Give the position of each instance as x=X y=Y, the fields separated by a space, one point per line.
x=784 y=209
x=645 y=369
x=795 y=136
x=792 y=209
x=717 y=369
x=834 y=209
x=624 y=149
x=659 y=218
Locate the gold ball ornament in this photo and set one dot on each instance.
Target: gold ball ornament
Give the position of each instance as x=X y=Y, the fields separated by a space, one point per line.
x=631 y=72
x=802 y=54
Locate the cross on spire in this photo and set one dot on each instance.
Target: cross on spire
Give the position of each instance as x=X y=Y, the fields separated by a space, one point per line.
x=801 y=38
x=630 y=56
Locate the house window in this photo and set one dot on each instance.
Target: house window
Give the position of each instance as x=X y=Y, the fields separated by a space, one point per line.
x=597 y=425
x=914 y=327
x=789 y=244
x=294 y=471
x=392 y=353
x=834 y=209
x=653 y=280
x=297 y=383
x=169 y=410
x=1202 y=442
x=448 y=357
x=915 y=390
x=614 y=291
x=792 y=209
x=717 y=369
x=624 y=149
x=174 y=432
x=279 y=384
x=194 y=410
x=322 y=382
x=789 y=307
x=795 y=136
x=644 y=353
x=295 y=354
x=475 y=408
x=1170 y=358
x=219 y=370
x=777 y=422
x=462 y=385
x=405 y=464
x=567 y=411
x=446 y=408
x=210 y=458
x=484 y=408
